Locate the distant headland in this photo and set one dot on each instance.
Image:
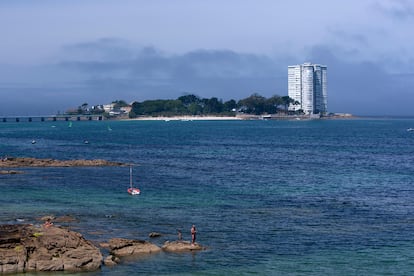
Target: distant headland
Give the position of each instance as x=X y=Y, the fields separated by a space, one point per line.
x=186 y=108
x=196 y=108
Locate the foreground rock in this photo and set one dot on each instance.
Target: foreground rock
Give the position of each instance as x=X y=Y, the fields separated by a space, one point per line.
x=26 y=248
x=124 y=247
x=15 y=162
x=181 y=246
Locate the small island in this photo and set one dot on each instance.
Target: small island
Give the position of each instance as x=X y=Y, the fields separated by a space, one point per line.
x=191 y=105
x=19 y=162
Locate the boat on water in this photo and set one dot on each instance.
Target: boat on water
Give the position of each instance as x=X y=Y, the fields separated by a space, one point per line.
x=410 y=129
x=132 y=190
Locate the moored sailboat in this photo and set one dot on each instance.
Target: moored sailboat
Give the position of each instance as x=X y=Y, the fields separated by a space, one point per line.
x=132 y=190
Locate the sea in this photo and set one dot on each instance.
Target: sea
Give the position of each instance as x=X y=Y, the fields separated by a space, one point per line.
x=301 y=197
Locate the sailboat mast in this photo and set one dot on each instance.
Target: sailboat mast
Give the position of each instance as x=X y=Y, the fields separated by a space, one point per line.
x=130 y=176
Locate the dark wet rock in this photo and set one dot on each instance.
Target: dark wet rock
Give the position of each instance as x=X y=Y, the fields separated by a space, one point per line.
x=125 y=247
x=10 y=172
x=15 y=162
x=66 y=219
x=181 y=246
x=26 y=248
x=154 y=235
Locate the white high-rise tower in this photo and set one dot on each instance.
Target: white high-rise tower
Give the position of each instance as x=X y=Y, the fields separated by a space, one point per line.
x=307 y=85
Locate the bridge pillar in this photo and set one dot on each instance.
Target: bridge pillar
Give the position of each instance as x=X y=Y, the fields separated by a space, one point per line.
x=78 y=118
x=4 y=120
x=66 y=119
x=54 y=119
x=30 y=119
x=17 y=120
x=42 y=119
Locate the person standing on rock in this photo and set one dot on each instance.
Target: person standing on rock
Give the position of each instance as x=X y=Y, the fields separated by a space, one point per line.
x=180 y=235
x=193 y=234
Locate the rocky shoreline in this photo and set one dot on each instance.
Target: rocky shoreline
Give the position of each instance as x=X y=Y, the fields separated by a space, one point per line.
x=29 y=248
x=47 y=247
x=19 y=162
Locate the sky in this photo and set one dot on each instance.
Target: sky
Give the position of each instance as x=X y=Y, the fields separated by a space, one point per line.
x=57 y=55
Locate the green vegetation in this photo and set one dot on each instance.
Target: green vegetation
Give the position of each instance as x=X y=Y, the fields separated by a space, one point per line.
x=190 y=105
x=193 y=105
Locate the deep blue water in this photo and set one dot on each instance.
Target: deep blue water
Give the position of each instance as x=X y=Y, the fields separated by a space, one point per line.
x=323 y=197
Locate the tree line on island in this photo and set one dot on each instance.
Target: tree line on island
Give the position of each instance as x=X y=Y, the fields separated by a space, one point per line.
x=192 y=105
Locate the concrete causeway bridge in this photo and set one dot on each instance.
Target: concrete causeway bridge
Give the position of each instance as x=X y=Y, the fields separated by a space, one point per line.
x=53 y=118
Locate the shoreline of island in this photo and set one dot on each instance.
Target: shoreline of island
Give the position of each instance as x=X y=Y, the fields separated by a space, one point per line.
x=234 y=118
x=184 y=118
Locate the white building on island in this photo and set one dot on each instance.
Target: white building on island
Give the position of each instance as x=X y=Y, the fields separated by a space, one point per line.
x=307 y=85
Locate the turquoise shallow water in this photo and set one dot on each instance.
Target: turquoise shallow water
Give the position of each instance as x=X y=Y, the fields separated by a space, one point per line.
x=268 y=197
